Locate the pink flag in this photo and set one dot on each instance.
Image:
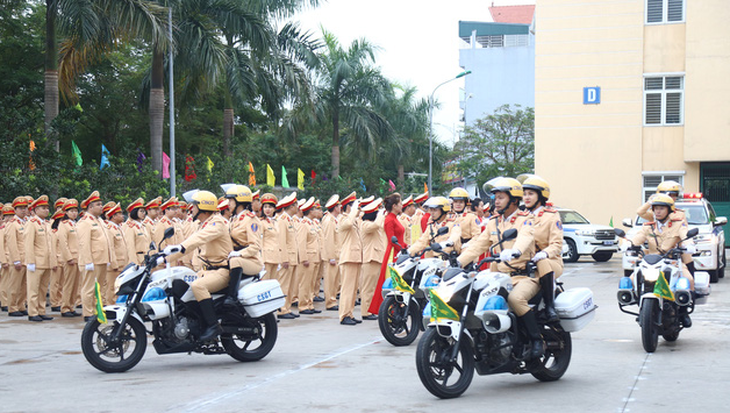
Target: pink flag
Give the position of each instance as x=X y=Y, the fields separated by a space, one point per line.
x=165 y=166
x=392 y=185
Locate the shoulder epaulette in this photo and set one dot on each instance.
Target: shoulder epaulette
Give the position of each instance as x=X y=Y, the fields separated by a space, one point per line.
x=649 y=223
x=677 y=219
x=550 y=210
x=523 y=213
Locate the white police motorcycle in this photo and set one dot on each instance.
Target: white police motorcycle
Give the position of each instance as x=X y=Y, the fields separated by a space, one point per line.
x=471 y=327
x=163 y=298
x=660 y=313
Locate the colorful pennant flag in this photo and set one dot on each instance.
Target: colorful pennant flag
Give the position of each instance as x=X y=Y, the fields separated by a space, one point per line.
x=31 y=164
x=398 y=282
x=105 y=157
x=362 y=185
x=314 y=177
x=440 y=310
x=140 y=160
x=300 y=179
x=76 y=152
x=392 y=185
x=190 y=174
x=425 y=188
x=284 y=179
x=165 y=166
x=610 y=223
x=270 y=178
x=251 y=175
x=661 y=288
x=210 y=165
x=100 y=314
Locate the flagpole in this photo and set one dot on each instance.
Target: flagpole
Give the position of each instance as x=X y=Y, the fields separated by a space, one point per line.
x=172 y=111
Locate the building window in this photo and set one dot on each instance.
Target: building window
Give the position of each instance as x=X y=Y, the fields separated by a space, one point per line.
x=664 y=11
x=663 y=100
x=652 y=180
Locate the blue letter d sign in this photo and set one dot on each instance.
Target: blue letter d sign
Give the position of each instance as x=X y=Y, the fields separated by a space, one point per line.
x=591 y=95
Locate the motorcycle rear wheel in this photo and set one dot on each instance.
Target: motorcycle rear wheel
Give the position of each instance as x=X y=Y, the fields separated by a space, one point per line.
x=241 y=349
x=398 y=326
x=649 y=331
x=118 y=357
x=554 y=363
x=435 y=370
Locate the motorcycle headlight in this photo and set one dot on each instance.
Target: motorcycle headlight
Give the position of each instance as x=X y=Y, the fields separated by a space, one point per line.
x=154 y=294
x=388 y=284
x=432 y=281
x=122 y=299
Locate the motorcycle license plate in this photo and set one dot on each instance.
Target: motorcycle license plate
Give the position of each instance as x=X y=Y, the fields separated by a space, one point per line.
x=607 y=242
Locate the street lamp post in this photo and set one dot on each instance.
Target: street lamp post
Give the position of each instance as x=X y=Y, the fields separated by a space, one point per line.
x=430 y=129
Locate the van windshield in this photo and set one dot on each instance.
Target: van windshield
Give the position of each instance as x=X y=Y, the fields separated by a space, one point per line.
x=572 y=217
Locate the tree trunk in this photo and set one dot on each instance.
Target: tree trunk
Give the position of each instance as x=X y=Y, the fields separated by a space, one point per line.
x=401 y=175
x=50 y=99
x=335 y=145
x=228 y=131
x=157 y=109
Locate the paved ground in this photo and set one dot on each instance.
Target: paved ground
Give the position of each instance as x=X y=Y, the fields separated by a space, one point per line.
x=318 y=365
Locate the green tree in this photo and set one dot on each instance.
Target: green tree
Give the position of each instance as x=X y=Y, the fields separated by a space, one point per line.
x=500 y=144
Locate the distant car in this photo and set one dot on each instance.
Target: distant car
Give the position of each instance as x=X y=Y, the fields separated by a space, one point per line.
x=710 y=242
x=583 y=238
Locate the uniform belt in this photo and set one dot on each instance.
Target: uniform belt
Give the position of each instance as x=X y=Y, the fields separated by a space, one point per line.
x=215 y=267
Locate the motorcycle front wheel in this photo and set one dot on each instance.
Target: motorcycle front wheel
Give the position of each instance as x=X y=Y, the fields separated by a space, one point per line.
x=647 y=319
x=444 y=378
x=109 y=355
x=398 y=323
x=252 y=347
x=554 y=363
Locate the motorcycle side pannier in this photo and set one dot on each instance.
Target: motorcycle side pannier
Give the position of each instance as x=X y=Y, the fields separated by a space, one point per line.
x=261 y=298
x=702 y=286
x=575 y=308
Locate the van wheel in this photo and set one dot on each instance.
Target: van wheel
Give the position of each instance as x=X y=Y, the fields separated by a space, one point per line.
x=572 y=251
x=602 y=256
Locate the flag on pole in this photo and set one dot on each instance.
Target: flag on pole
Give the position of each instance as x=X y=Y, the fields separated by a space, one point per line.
x=210 y=165
x=425 y=188
x=31 y=164
x=251 y=175
x=398 y=282
x=76 y=152
x=362 y=185
x=661 y=288
x=105 y=157
x=300 y=179
x=190 y=174
x=440 y=310
x=610 y=223
x=392 y=185
x=165 y=166
x=284 y=179
x=140 y=160
x=270 y=178
x=100 y=314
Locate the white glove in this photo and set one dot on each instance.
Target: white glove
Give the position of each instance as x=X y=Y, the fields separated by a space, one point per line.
x=508 y=254
x=465 y=246
x=539 y=256
x=447 y=244
x=161 y=260
x=31 y=267
x=691 y=249
x=90 y=267
x=234 y=254
x=625 y=246
x=172 y=249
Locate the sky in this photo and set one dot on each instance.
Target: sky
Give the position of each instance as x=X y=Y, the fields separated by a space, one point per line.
x=418 y=41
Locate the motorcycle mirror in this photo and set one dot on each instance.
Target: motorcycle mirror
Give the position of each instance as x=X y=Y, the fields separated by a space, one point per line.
x=152 y=246
x=509 y=234
x=692 y=233
x=442 y=231
x=618 y=231
x=435 y=246
x=394 y=239
x=169 y=232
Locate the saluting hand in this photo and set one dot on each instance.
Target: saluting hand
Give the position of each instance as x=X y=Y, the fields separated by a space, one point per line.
x=306 y=263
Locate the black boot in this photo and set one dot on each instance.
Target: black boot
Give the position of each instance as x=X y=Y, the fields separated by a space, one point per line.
x=533 y=332
x=548 y=296
x=691 y=268
x=213 y=329
x=684 y=317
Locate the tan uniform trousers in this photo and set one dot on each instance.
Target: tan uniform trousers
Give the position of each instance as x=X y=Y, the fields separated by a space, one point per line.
x=547 y=265
x=286 y=276
x=305 y=286
x=331 y=284
x=17 y=292
x=369 y=274
x=211 y=280
x=88 y=281
x=56 y=291
x=271 y=272
x=70 y=280
x=37 y=282
x=250 y=266
x=522 y=291
x=348 y=295
x=317 y=278
x=107 y=287
x=4 y=275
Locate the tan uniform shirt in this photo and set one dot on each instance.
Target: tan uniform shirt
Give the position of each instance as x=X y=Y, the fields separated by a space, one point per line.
x=548 y=233
x=14 y=240
x=314 y=250
x=453 y=236
x=330 y=237
x=301 y=238
x=149 y=224
x=94 y=245
x=496 y=226
x=661 y=238
x=119 y=246
x=3 y=250
x=271 y=252
x=349 y=238
x=373 y=246
x=159 y=232
x=213 y=240
x=246 y=235
x=405 y=220
x=137 y=240
x=469 y=223
x=68 y=241
x=40 y=248
x=288 y=239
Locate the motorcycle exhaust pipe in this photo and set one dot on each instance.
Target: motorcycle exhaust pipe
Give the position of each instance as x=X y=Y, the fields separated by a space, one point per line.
x=683 y=297
x=626 y=297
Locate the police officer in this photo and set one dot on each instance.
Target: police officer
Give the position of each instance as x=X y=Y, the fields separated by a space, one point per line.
x=331 y=252
x=309 y=268
x=245 y=233
x=14 y=242
x=169 y=211
x=350 y=258
x=214 y=241
x=68 y=248
x=40 y=258
x=256 y=203
x=120 y=253
x=373 y=251
x=7 y=212
x=95 y=252
x=548 y=232
x=419 y=220
x=513 y=254
x=55 y=292
x=152 y=214
x=270 y=236
x=467 y=220
x=663 y=234
x=438 y=209
x=135 y=232
x=289 y=252
x=406 y=219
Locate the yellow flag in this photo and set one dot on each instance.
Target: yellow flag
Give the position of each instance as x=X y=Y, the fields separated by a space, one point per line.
x=270 y=178
x=300 y=179
x=210 y=164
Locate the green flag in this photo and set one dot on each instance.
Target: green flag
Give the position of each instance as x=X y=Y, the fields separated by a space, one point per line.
x=100 y=314
x=398 y=282
x=284 y=181
x=440 y=310
x=661 y=288
x=610 y=223
x=76 y=153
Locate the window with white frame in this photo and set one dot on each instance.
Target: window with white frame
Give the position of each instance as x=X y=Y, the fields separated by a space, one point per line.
x=651 y=181
x=663 y=100
x=664 y=11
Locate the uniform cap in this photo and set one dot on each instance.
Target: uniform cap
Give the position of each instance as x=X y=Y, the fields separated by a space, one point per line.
x=408 y=201
x=301 y=202
x=115 y=209
x=332 y=202
x=223 y=204
x=367 y=200
x=59 y=203
x=256 y=195
x=107 y=207
x=287 y=200
x=8 y=209
x=69 y=204
x=317 y=204
x=372 y=206
x=170 y=203
x=307 y=205
x=58 y=214
x=269 y=198
x=41 y=201
x=182 y=204
x=92 y=198
x=349 y=198
x=155 y=203
x=138 y=203
x=20 y=201
x=421 y=198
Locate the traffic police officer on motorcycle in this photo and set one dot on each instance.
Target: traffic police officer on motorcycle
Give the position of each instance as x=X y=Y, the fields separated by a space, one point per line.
x=467 y=220
x=439 y=209
x=514 y=254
